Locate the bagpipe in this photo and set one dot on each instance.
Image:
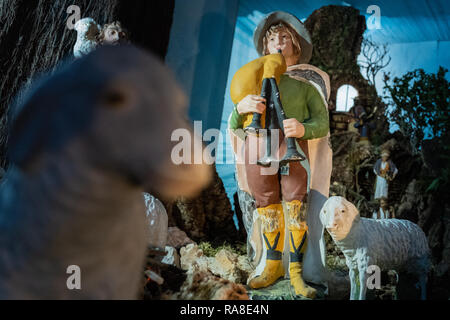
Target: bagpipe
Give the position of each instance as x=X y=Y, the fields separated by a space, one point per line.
x=262 y=76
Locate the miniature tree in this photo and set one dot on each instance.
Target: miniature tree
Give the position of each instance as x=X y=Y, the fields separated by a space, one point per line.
x=420 y=107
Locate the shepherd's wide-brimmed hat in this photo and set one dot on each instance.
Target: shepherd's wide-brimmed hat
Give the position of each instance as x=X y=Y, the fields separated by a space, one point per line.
x=280 y=16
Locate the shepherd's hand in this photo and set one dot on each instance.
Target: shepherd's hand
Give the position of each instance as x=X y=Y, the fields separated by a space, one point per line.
x=251 y=104
x=293 y=128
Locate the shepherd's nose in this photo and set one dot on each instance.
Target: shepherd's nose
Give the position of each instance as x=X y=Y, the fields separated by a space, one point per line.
x=279 y=40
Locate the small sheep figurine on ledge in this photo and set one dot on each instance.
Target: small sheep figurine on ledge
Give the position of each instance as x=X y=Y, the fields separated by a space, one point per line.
x=390 y=244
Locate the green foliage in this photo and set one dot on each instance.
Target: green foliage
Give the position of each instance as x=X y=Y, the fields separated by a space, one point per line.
x=210 y=251
x=441 y=183
x=420 y=105
x=334 y=38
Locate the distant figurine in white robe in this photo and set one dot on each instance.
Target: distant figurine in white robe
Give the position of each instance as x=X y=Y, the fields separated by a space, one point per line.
x=386 y=171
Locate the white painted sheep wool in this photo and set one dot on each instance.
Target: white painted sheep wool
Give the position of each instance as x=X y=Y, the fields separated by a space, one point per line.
x=87 y=30
x=390 y=244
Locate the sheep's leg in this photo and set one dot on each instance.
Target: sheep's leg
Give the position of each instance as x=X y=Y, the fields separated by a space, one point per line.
x=362 y=284
x=423 y=286
x=354 y=288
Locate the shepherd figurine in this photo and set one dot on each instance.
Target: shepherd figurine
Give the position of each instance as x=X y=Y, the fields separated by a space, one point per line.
x=303 y=90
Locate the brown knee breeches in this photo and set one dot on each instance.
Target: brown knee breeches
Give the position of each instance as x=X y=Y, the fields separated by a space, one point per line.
x=273 y=187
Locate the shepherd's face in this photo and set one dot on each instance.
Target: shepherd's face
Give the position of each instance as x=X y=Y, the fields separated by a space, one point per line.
x=280 y=40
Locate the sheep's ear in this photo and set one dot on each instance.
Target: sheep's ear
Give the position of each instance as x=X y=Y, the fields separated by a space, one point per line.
x=321 y=215
x=324 y=207
x=29 y=130
x=352 y=210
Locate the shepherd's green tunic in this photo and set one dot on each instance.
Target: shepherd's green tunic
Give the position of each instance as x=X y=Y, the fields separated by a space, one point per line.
x=301 y=101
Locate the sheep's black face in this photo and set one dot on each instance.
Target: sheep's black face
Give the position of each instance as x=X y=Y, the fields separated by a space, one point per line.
x=122 y=106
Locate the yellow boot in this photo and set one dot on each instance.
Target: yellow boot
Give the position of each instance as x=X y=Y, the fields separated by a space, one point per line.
x=273 y=234
x=298 y=241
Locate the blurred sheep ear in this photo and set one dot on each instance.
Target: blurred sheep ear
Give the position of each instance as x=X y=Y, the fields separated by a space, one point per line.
x=118 y=95
x=26 y=137
x=352 y=209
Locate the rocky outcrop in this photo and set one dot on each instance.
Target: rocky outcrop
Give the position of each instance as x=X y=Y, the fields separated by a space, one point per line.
x=337 y=35
x=193 y=259
x=177 y=238
x=230 y=266
x=225 y=264
x=203 y=285
x=208 y=217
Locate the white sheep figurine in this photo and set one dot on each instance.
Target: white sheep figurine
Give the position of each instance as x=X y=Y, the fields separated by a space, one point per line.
x=87 y=31
x=390 y=244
